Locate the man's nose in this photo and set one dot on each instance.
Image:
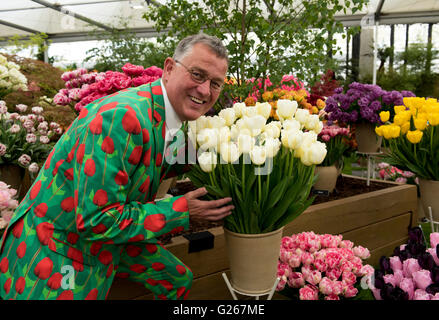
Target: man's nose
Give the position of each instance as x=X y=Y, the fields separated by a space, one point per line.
x=204 y=88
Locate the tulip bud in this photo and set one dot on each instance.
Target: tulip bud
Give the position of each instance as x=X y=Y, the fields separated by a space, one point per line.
x=258 y=155
x=207 y=161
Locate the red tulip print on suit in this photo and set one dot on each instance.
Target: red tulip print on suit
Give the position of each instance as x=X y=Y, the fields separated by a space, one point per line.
x=155 y=222
x=41 y=210
x=54 y=282
x=96 y=124
x=130 y=123
x=108 y=145
x=44 y=232
x=44 y=268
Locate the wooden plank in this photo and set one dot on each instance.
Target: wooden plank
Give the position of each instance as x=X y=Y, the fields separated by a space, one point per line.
x=381 y=233
x=386 y=250
x=343 y=215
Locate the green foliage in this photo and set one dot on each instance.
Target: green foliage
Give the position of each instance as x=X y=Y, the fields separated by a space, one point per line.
x=122 y=46
x=37 y=43
x=263 y=37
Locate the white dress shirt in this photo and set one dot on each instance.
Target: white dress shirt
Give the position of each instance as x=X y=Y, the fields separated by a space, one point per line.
x=172 y=120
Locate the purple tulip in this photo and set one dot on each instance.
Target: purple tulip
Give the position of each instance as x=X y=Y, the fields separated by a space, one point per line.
x=426 y=261
x=435 y=274
x=385 y=265
x=379 y=279
x=432 y=288
x=415 y=235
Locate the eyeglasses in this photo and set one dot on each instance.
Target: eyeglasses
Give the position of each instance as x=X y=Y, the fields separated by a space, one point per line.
x=200 y=77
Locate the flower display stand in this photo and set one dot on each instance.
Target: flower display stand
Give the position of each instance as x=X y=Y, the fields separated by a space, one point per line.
x=378 y=220
x=233 y=290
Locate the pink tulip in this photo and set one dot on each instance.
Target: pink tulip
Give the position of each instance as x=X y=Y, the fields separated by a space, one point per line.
x=432 y=251
x=296 y=280
x=307 y=258
x=325 y=286
x=434 y=239
x=389 y=278
x=308 y=292
x=350 y=291
x=314 y=277
x=421 y=295
x=294 y=261
x=395 y=263
x=361 y=252
x=376 y=293
x=410 y=266
x=408 y=286
x=398 y=275
x=434 y=297
x=422 y=279
x=332 y=297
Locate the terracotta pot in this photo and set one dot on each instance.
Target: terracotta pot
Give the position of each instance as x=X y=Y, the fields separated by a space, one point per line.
x=429 y=190
x=367 y=139
x=326 y=178
x=12 y=175
x=253 y=260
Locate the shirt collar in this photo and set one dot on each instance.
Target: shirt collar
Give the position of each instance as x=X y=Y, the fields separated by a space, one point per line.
x=172 y=120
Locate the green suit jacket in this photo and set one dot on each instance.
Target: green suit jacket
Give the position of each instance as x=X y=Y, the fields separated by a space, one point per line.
x=90 y=199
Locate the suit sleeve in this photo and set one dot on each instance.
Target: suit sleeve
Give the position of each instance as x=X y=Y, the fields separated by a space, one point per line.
x=114 y=166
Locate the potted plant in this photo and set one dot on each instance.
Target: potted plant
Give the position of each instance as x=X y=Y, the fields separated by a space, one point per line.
x=327 y=172
x=267 y=169
x=25 y=142
x=323 y=267
x=412 y=139
x=360 y=105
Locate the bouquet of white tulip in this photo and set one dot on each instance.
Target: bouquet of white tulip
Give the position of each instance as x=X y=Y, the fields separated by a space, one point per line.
x=267 y=168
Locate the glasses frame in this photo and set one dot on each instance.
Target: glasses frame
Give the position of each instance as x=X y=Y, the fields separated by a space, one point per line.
x=205 y=78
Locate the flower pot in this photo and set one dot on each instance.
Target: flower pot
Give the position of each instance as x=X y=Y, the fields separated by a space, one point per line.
x=429 y=190
x=12 y=175
x=368 y=141
x=253 y=260
x=326 y=178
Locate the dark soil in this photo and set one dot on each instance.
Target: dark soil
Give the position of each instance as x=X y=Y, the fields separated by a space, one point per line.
x=346 y=187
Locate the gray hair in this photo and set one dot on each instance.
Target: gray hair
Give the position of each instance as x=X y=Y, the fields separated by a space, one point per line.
x=186 y=45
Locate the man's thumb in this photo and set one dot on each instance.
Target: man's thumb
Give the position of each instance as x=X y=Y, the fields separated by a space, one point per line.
x=198 y=193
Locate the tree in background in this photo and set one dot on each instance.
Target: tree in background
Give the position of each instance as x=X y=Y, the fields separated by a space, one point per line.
x=265 y=38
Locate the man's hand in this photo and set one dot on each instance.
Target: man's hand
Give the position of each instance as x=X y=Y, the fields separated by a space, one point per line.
x=212 y=210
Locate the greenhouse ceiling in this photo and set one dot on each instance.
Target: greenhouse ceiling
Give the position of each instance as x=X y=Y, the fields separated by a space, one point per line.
x=73 y=20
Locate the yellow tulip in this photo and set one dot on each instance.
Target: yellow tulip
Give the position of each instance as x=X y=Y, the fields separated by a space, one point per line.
x=405 y=127
x=399 y=109
x=433 y=119
x=394 y=131
x=385 y=116
x=420 y=123
x=379 y=130
x=414 y=136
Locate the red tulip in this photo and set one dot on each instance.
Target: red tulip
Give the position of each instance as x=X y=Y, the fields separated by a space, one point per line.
x=158 y=161
x=100 y=198
x=68 y=204
x=137 y=238
x=108 y=145
x=138 y=268
x=110 y=271
x=18 y=228
x=125 y=223
x=80 y=223
x=121 y=178
x=95 y=247
x=105 y=257
x=158 y=266
x=72 y=237
x=66 y=295
x=72 y=152
x=96 y=124
x=20 y=284
x=145 y=94
x=144 y=187
x=135 y=156
x=57 y=165
x=130 y=123
x=77 y=257
x=166 y=284
x=69 y=174
x=44 y=232
x=41 y=210
x=145 y=135
x=7 y=285
x=133 y=251
x=147 y=158
x=107 y=106
x=92 y=295
x=150 y=114
x=157 y=90
x=180 y=205
x=49 y=159
x=44 y=268
x=54 y=281
x=21 y=250
x=83 y=113
x=180 y=291
x=151 y=282
x=180 y=269
x=100 y=228
x=4 y=264
x=152 y=248
x=90 y=167
x=155 y=222
x=35 y=190
x=80 y=153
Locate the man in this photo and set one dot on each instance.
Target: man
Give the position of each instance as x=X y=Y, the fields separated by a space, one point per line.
x=90 y=215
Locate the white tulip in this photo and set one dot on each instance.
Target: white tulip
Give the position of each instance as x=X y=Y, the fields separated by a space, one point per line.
x=263 y=109
x=302 y=115
x=272 y=130
x=207 y=161
x=312 y=122
x=272 y=147
x=291 y=124
x=258 y=155
x=234 y=132
x=228 y=115
x=255 y=124
x=313 y=154
x=208 y=138
x=239 y=108
x=286 y=108
x=224 y=135
x=249 y=112
x=229 y=152
x=216 y=122
x=245 y=143
x=201 y=123
x=292 y=139
x=309 y=137
x=319 y=127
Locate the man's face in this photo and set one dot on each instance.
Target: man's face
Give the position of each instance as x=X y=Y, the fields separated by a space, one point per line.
x=189 y=98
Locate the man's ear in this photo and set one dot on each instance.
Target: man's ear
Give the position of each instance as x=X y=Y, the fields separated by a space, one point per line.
x=168 y=66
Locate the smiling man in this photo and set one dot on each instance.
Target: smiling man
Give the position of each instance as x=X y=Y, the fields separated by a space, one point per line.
x=90 y=214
